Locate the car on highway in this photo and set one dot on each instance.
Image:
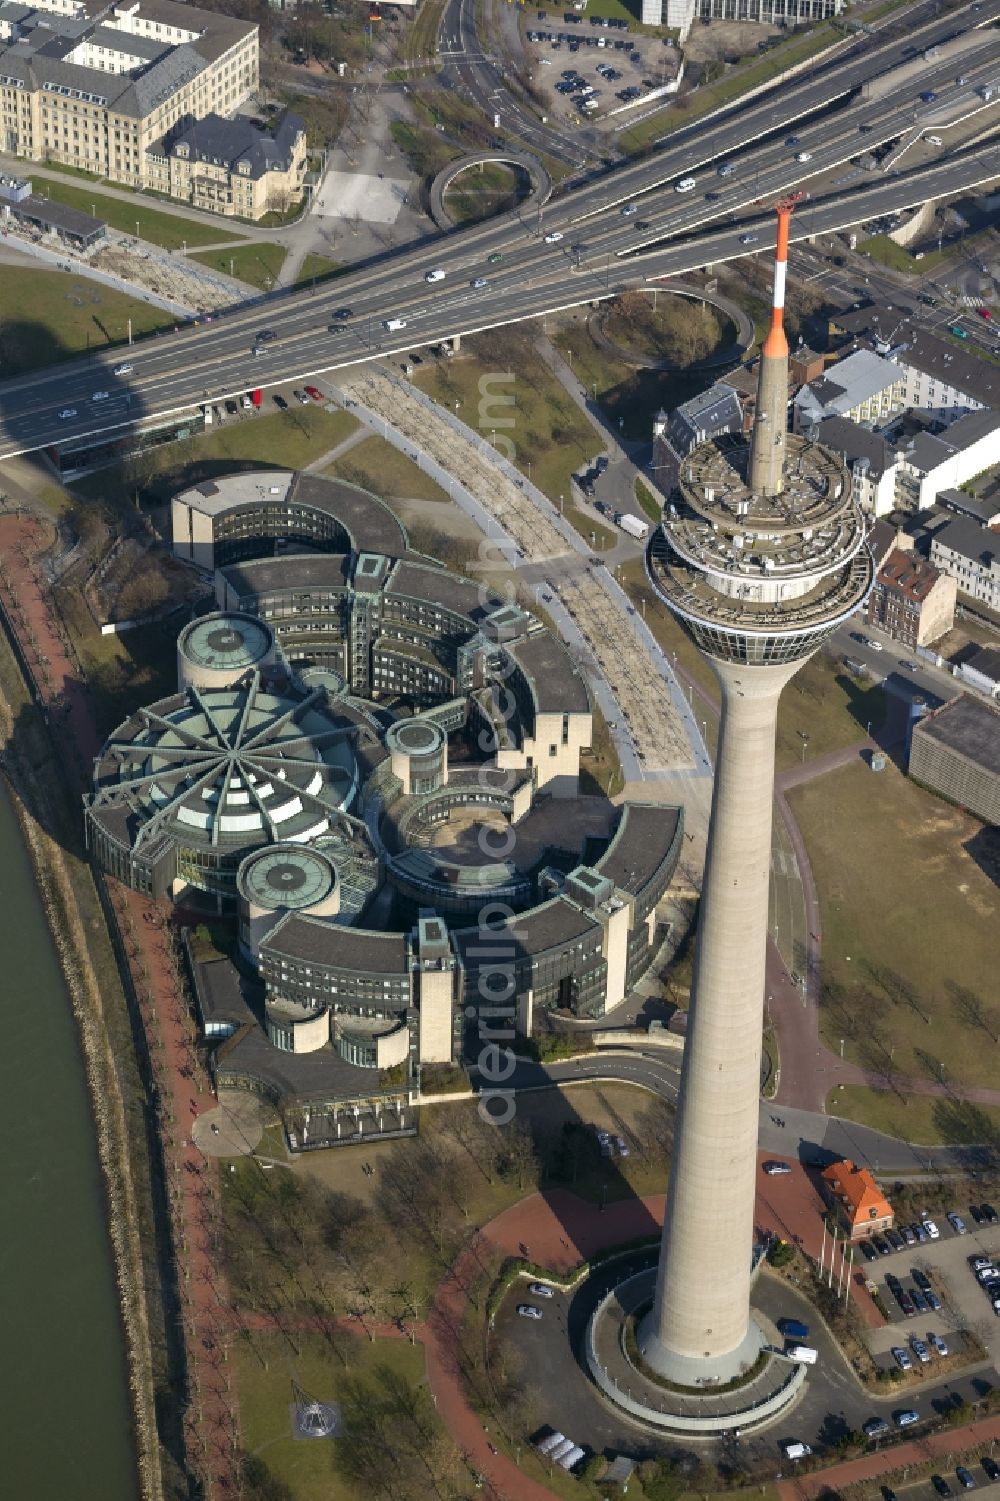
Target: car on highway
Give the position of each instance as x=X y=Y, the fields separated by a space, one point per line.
x=927 y=96
x=494 y=259
x=937 y=1344
x=804 y=156
x=436 y=275
x=266 y=336
x=315 y=393
x=479 y=284
x=875 y=1428
x=920 y=1350
x=553 y=237
x=258 y=349
x=984 y=313
x=343 y=313
x=965 y=1478
x=100 y=395
x=527 y=1311
x=685 y=185
x=748 y=239
x=942 y=1487
x=66 y=413
x=956 y=1222
x=776 y=1169
x=727 y=169
x=123 y=370
x=539 y=1290
x=627 y=209
x=280 y=403
x=301 y=398
x=901 y=1358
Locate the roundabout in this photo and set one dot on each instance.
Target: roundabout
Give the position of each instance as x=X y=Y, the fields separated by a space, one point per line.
x=521 y=161
x=727 y=353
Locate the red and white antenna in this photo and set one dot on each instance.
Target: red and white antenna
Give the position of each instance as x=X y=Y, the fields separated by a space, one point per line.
x=776 y=343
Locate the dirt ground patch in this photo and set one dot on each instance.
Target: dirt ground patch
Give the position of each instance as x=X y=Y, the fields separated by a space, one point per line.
x=725 y=39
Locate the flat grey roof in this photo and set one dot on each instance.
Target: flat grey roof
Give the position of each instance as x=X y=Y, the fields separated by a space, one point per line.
x=639 y=844
x=422 y=581
x=220 y=992
x=554 y=923
x=313 y=570
x=856 y=442
x=969 y=727
x=363 y=950
x=942 y=358
x=559 y=686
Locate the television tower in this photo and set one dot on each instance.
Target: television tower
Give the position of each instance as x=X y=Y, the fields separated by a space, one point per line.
x=761 y=554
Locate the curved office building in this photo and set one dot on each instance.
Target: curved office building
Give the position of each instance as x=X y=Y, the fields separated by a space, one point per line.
x=396 y=767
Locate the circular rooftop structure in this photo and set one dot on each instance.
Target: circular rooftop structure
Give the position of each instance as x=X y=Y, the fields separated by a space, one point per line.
x=208 y=776
x=218 y=649
x=287 y=878
x=761 y=579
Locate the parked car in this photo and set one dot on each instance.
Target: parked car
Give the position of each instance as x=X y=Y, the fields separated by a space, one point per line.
x=908 y=1235
x=301 y=397
x=919 y=1298
x=906 y=1303
x=875 y=1428
x=906 y=1418
x=895 y=1239
x=539 y=1290
x=868 y=1251
x=956 y=1222
x=938 y=1345
x=977 y=1214
x=315 y=393
x=920 y=1350
x=991 y=1468
x=232 y=408
x=920 y=1278
x=989 y=1214
x=965 y=1478
x=527 y=1311
x=777 y=1169
x=882 y=1246
x=933 y=1301
x=901 y=1358
x=941 y=1486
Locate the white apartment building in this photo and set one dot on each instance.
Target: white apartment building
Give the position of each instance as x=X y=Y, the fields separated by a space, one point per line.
x=971 y=554
x=932 y=463
x=864 y=387
x=870 y=460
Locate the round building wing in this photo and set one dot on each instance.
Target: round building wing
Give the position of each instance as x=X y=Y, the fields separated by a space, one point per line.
x=283 y=878
x=419 y=752
x=216 y=650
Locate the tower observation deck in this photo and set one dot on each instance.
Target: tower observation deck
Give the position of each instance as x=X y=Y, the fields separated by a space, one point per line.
x=761 y=554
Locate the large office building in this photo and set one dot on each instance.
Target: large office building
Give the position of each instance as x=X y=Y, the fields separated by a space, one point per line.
x=372 y=766
x=118 y=87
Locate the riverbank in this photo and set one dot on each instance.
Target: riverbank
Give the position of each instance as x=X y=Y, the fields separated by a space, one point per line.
x=41 y=800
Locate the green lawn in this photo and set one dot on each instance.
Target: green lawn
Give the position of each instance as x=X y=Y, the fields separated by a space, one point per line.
x=880 y=248
x=320 y=267
x=907 y=915
x=824 y=702
x=376 y=465
x=482 y=191
x=918 y=1118
x=531 y=411
x=167 y=230
x=313 y=1470
x=258 y=264
x=46 y=316
x=287 y=440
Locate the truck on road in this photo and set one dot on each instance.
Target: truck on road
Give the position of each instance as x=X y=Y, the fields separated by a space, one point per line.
x=634 y=527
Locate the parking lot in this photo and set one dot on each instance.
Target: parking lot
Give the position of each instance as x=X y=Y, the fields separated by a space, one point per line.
x=590 y=65
x=912 y=1280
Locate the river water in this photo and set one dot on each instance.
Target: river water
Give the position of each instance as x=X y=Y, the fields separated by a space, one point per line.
x=65 y=1416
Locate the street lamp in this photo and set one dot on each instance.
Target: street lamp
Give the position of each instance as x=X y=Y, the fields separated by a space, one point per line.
x=137 y=229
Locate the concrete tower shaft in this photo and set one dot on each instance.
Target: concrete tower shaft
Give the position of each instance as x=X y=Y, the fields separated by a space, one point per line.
x=700 y=1328
x=767 y=443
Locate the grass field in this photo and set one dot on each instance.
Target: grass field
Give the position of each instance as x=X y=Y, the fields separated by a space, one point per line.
x=918 y=1118
x=319 y=266
x=46 y=316
x=313 y=1471
x=482 y=191
x=167 y=230
x=908 y=915
x=826 y=704
x=286 y=440
x=376 y=465
x=259 y=264
x=880 y=248
x=503 y=387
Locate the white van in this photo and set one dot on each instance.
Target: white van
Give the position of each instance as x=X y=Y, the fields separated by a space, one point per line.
x=804 y=1354
x=795 y=1450
x=436 y=275
x=207 y=412
x=685 y=185
x=392 y=324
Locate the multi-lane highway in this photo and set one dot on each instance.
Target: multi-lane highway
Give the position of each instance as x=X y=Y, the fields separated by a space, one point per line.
x=585 y=250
